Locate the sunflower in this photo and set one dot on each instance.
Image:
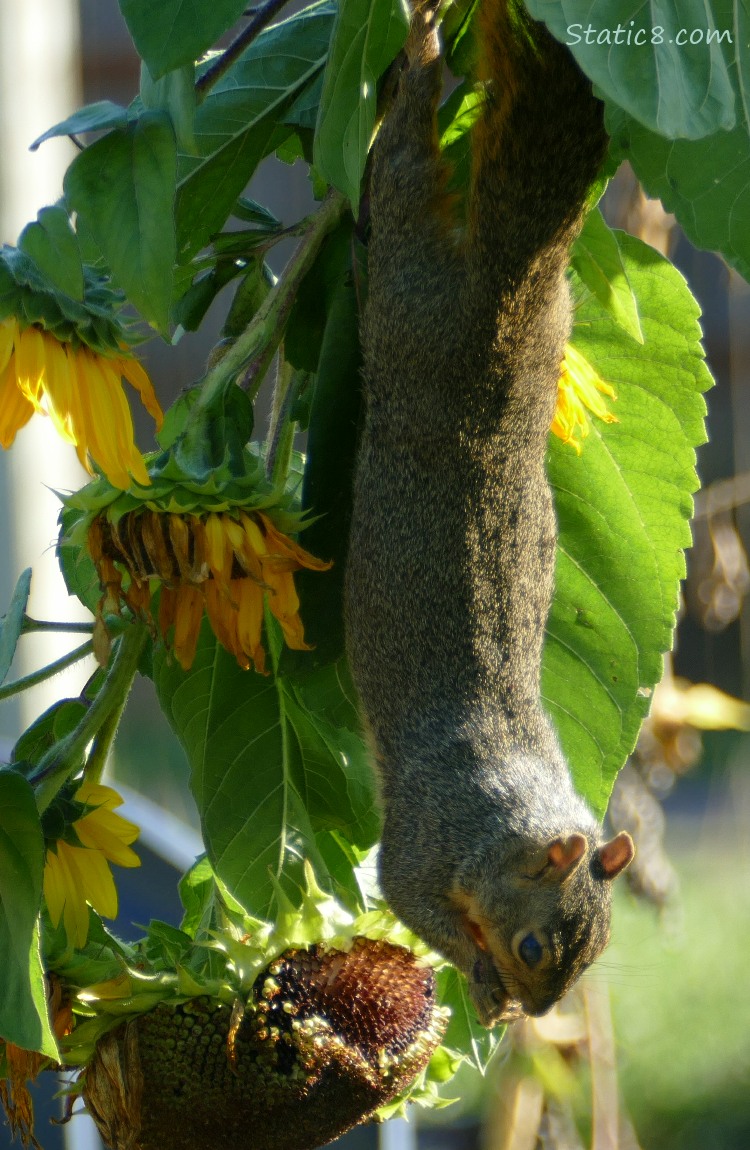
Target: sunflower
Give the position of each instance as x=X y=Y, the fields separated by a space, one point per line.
x=75 y=875
x=81 y=391
x=579 y=387
x=226 y=565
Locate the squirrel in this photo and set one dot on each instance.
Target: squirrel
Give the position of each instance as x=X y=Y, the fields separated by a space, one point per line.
x=487 y=853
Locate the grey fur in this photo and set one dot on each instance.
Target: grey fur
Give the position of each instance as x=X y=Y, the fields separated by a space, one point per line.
x=452 y=552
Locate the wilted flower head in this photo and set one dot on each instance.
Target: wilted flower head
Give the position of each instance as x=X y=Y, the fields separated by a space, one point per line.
x=226 y=564
x=81 y=391
x=579 y=388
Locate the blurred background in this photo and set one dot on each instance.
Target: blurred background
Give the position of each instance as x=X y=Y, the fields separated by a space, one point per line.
x=653 y=1050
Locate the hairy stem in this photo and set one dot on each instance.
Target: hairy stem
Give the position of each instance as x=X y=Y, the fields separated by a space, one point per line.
x=30 y=626
x=47 y=672
x=281 y=428
x=256 y=346
x=64 y=759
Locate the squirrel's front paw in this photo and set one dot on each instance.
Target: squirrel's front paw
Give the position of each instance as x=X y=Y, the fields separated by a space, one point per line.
x=491 y=1001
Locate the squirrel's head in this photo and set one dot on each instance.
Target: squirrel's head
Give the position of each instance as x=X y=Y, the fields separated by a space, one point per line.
x=540 y=917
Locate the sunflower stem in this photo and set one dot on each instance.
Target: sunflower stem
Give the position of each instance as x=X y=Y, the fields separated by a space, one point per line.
x=47 y=672
x=281 y=428
x=102 y=745
x=30 y=626
x=255 y=347
x=65 y=758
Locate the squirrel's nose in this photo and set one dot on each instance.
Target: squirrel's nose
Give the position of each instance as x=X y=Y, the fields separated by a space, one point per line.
x=541 y=1006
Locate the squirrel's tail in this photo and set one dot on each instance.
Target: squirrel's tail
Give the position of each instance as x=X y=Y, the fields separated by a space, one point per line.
x=537 y=147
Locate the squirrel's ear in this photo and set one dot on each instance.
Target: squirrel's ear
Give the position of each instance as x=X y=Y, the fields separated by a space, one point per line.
x=615 y=855
x=564 y=855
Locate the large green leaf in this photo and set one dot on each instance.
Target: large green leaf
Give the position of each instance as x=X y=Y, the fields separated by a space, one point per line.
x=268 y=772
x=367 y=36
x=597 y=260
x=11 y=626
x=123 y=186
x=23 y=1004
x=51 y=243
x=176 y=32
x=676 y=87
x=623 y=507
x=242 y=120
x=706 y=183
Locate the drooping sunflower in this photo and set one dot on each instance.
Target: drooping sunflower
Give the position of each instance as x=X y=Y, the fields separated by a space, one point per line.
x=579 y=388
x=226 y=564
x=81 y=391
x=77 y=875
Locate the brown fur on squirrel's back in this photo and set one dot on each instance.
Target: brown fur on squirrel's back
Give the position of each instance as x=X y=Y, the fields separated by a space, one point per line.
x=452 y=550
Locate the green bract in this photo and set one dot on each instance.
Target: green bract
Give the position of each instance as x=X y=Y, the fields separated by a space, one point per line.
x=30 y=297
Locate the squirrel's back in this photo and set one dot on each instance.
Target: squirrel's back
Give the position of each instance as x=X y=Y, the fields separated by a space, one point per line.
x=452 y=550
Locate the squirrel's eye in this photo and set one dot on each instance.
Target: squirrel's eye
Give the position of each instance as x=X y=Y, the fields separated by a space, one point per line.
x=530 y=950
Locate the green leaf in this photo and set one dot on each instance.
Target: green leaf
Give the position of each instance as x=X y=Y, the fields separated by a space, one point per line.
x=267 y=776
x=596 y=259
x=464 y=1033
x=23 y=1005
x=176 y=32
x=327 y=488
x=623 y=507
x=12 y=623
x=197 y=894
x=241 y=121
x=52 y=245
x=174 y=93
x=76 y=564
x=666 y=83
x=123 y=186
x=706 y=183
x=367 y=36
x=97 y=117
x=305 y=329
x=56 y=722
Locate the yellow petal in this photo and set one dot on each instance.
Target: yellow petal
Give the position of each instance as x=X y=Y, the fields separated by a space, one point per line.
x=99 y=795
x=179 y=537
x=250 y=620
x=75 y=912
x=244 y=553
x=59 y=388
x=30 y=365
x=284 y=604
x=109 y=834
x=95 y=879
x=89 y=429
x=99 y=419
x=579 y=388
x=54 y=886
x=116 y=407
x=188 y=618
x=137 y=378
x=254 y=535
x=8 y=337
x=281 y=544
x=222 y=614
x=220 y=553
x=15 y=408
